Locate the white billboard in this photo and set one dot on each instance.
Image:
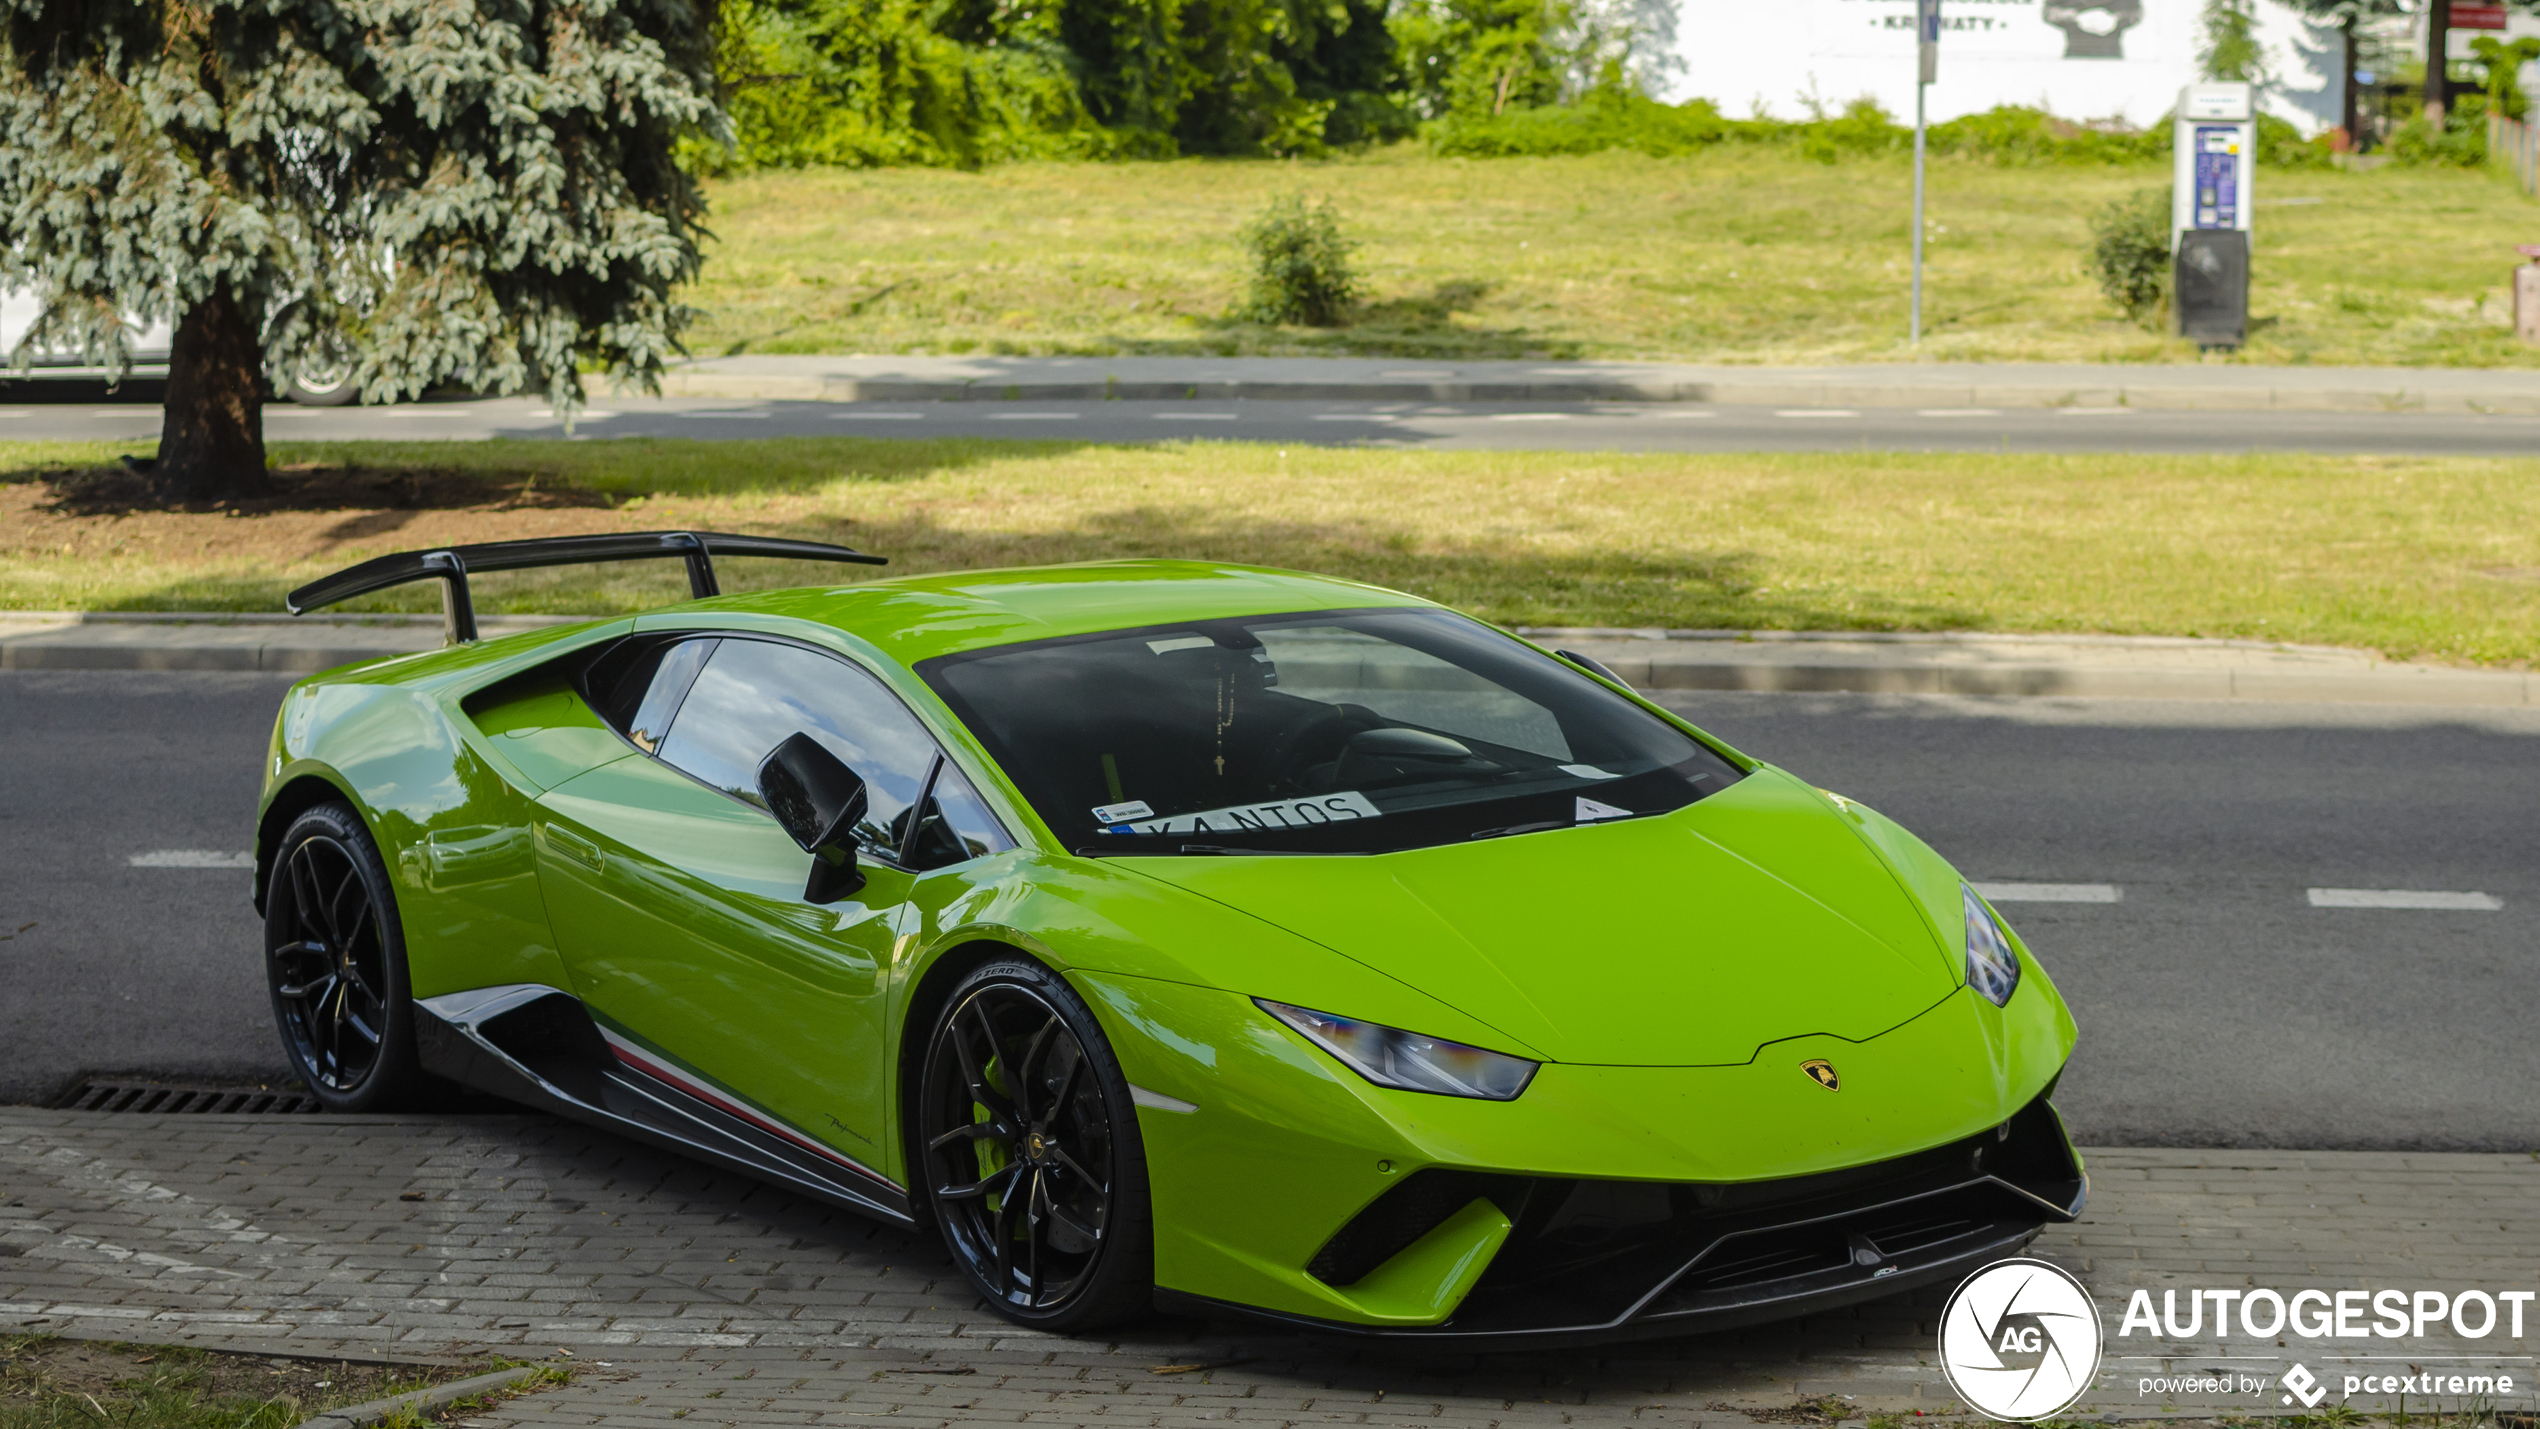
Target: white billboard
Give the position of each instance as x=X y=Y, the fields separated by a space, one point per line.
x=2081 y=59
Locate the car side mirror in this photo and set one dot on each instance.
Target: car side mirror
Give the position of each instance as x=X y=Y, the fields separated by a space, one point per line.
x=820 y=801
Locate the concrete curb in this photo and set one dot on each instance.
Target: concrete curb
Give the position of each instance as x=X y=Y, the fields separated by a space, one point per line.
x=201 y=641
x=1958 y=386
x=1781 y=662
x=1991 y=669
x=421 y=1401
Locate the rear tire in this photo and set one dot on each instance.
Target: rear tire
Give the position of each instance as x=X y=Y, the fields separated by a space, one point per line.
x=323 y=384
x=335 y=963
x=1028 y=1156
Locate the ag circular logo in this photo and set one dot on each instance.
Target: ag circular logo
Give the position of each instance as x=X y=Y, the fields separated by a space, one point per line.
x=2020 y=1341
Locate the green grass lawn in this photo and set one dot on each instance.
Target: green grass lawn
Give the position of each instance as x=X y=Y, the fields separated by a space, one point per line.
x=2429 y=558
x=49 y=1383
x=1744 y=254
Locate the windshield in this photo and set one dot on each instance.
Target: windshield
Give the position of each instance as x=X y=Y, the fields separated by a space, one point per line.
x=1328 y=732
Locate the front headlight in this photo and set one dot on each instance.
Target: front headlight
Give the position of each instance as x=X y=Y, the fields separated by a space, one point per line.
x=1407 y=1061
x=1992 y=968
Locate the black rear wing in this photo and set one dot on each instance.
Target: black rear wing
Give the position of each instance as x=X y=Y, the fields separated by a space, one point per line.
x=451 y=564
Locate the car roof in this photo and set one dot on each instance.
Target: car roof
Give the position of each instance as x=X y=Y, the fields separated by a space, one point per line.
x=914 y=618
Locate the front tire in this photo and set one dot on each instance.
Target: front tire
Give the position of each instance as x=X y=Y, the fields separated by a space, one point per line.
x=1028 y=1145
x=335 y=963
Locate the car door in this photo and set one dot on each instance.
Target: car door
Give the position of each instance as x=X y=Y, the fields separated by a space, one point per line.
x=678 y=900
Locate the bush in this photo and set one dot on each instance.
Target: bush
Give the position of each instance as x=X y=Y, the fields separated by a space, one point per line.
x=2281 y=146
x=1300 y=266
x=2130 y=252
x=1600 y=121
x=2015 y=136
x=2011 y=136
x=2419 y=145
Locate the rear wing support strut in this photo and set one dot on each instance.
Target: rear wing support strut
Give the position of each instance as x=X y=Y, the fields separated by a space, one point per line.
x=451 y=566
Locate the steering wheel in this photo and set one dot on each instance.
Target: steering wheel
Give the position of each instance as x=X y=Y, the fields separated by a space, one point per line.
x=1317 y=741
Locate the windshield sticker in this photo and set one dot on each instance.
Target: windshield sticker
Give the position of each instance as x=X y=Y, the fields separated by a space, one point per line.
x=1590 y=811
x=1122 y=813
x=1588 y=771
x=1278 y=814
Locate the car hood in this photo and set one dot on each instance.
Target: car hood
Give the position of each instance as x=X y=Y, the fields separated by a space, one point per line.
x=1690 y=939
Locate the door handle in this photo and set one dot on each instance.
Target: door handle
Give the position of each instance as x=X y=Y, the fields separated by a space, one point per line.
x=573 y=848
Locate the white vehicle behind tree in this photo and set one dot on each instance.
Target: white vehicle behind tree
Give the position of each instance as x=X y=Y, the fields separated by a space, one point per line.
x=248 y=169
x=318 y=381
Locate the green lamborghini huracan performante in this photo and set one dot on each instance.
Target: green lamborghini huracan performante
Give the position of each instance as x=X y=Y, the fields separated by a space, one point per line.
x=1165 y=934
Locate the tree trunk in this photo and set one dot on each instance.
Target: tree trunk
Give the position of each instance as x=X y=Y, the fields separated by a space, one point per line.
x=2351 y=111
x=2438 y=60
x=212 y=429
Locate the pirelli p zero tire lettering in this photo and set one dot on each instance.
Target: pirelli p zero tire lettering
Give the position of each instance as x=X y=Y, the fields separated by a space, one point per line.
x=1028 y=1154
x=335 y=961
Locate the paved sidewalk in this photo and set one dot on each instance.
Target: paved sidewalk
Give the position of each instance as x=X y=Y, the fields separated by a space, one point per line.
x=1816 y=662
x=689 y=1293
x=2216 y=386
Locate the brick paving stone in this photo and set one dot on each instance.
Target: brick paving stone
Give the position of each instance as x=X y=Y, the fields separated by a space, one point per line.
x=539 y=1237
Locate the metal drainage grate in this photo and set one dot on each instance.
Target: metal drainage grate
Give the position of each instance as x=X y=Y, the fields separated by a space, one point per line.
x=194 y=1101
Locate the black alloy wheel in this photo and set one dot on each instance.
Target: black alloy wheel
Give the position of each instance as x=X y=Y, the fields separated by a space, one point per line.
x=335 y=962
x=1029 y=1146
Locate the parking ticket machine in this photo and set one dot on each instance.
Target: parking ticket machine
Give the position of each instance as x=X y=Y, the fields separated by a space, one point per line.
x=2217 y=152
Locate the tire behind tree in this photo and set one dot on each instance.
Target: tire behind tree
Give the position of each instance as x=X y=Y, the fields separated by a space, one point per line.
x=335 y=966
x=323 y=385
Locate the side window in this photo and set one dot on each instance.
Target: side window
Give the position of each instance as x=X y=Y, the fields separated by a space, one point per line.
x=956 y=827
x=675 y=671
x=754 y=694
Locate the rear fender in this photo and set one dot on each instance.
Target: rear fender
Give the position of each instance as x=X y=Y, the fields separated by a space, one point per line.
x=452 y=825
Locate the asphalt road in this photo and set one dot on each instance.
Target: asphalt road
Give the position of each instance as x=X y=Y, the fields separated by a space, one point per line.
x=31 y=411
x=2218 y=1006
x=129 y=969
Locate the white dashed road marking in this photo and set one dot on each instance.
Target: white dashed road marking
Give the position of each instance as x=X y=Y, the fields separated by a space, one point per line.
x=2050 y=892
x=1530 y=416
x=192 y=858
x=2094 y=411
x=2405 y=898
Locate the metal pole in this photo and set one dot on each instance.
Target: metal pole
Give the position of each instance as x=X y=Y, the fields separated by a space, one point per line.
x=1926 y=69
x=1915 y=337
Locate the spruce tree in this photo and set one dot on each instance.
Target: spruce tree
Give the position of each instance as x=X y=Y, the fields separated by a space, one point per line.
x=479 y=192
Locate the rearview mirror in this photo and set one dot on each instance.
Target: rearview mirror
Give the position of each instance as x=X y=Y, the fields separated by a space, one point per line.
x=819 y=800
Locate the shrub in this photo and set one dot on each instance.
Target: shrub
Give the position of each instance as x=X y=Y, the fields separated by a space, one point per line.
x=2011 y=136
x=2015 y=136
x=1300 y=265
x=1600 y=121
x=2130 y=252
x=2281 y=146
x=2419 y=145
